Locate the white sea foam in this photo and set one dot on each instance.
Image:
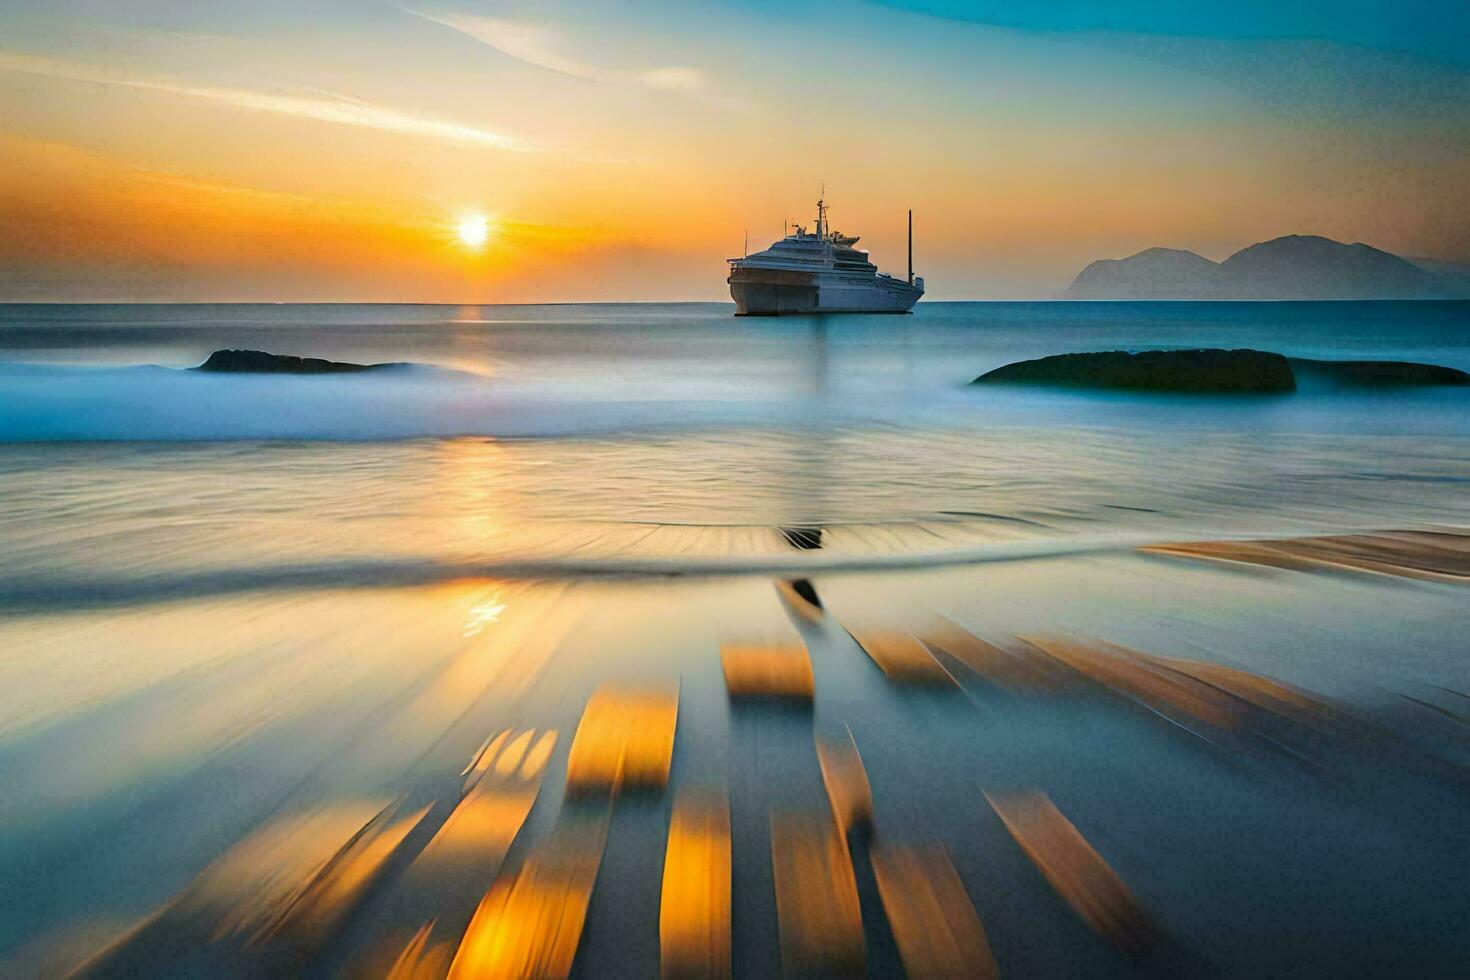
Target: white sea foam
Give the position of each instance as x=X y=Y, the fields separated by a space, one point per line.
x=67 y=403
x=148 y=403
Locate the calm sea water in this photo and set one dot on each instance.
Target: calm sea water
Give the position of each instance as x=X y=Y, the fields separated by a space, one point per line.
x=232 y=605
x=84 y=371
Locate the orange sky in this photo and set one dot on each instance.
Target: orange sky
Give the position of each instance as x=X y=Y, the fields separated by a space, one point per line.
x=620 y=155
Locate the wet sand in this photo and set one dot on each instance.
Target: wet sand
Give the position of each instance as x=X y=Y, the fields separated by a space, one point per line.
x=1135 y=762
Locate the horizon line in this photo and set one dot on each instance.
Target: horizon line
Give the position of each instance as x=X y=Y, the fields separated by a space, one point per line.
x=680 y=302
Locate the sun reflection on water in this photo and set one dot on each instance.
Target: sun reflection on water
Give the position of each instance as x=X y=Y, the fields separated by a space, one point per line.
x=483 y=614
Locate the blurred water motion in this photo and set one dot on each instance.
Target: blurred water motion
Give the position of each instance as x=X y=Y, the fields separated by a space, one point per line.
x=625 y=739
x=816 y=897
x=933 y=922
x=374 y=708
x=1079 y=875
x=273 y=854
x=779 y=670
x=272 y=901
x=694 y=910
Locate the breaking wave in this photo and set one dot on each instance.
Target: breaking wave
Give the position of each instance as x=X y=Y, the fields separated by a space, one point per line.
x=33 y=593
x=148 y=403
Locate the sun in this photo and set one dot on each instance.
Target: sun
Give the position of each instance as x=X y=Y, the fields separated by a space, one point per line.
x=473 y=230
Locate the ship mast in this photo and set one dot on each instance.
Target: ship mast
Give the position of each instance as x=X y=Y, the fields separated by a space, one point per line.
x=911 y=246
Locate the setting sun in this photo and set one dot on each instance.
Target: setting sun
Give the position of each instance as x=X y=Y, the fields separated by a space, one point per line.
x=473 y=230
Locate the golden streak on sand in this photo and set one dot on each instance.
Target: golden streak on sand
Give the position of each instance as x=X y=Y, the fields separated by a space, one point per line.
x=933 y=921
x=1193 y=693
x=816 y=898
x=530 y=923
x=1076 y=871
x=903 y=658
x=1011 y=670
x=337 y=886
x=476 y=769
x=487 y=819
x=846 y=782
x=538 y=756
x=1173 y=695
x=1430 y=555
x=625 y=739
x=768 y=670
x=513 y=753
x=1262 y=693
x=694 y=913
x=439 y=890
x=421 y=960
x=282 y=879
x=480 y=752
x=272 y=900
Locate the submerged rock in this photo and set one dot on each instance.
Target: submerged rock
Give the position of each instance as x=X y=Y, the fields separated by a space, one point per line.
x=1201 y=371
x=260 y=362
x=1388 y=374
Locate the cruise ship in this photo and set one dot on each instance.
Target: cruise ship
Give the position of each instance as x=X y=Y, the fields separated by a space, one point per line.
x=819 y=272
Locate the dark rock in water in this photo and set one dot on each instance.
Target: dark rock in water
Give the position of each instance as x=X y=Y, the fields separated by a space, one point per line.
x=260 y=362
x=805 y=538
x=1212 y=371
x=1385 y=374
x=1196 y=371
x=805 y=589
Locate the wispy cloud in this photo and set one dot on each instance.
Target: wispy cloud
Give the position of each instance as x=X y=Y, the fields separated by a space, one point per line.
x=541 y=46
x=333 y=109
x=523 y=41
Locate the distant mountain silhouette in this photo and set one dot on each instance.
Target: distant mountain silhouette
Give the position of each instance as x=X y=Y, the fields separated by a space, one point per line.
x=1292 y=267
x=1155 y=273
x=1454 y=277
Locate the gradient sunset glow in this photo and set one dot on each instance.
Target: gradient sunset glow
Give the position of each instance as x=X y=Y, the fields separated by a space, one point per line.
x=535 y=152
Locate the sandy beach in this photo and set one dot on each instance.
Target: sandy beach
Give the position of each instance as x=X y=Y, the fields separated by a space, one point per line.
x=1004 y=682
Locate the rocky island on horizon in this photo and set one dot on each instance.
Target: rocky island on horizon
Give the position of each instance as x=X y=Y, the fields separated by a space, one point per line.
x=1293 y=267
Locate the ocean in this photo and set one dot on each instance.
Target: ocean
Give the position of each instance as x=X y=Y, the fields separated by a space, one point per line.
x=249 y=623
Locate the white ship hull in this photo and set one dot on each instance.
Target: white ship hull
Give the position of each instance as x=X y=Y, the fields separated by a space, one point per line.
x=819 y=273
x=784 y=293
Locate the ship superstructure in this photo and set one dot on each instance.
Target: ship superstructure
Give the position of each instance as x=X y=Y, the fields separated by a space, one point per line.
x=819 y=272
